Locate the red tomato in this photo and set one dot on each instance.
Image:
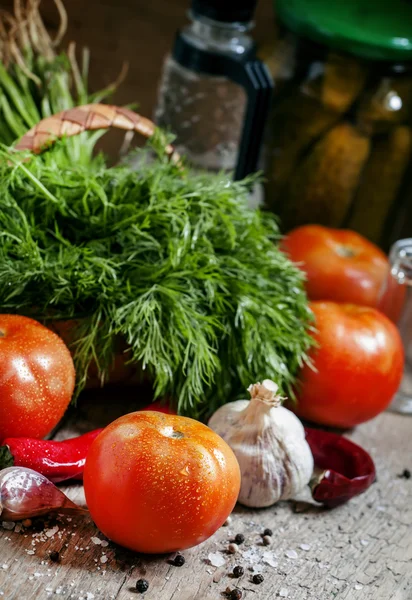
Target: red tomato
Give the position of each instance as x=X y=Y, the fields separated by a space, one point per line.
x=340 y=265
x=359 y=366
x=36 y=378
x=159 y=483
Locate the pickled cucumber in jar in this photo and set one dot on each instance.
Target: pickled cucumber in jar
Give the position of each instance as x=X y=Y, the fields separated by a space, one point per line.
x=339 y=149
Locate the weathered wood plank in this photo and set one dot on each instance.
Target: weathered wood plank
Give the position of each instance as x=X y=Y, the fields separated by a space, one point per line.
x=360 y=550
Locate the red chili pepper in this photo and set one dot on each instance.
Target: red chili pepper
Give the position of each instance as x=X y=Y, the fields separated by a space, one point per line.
x=348 y=468
x=58 y=461
x=160 y=406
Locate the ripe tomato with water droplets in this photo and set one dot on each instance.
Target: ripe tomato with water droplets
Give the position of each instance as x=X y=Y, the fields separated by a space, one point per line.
x=158 y=483
x=357 y=366
x=36 y=378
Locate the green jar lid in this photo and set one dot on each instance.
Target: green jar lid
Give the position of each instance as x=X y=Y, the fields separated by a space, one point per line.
x=374 y=29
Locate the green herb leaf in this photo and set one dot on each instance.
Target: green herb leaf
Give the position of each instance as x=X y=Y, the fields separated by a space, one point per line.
x=6 y=458
x=174 y=265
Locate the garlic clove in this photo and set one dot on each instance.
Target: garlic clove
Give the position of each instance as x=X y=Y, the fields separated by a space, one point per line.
x=24 y=493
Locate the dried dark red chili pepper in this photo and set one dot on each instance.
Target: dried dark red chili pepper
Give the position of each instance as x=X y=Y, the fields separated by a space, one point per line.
x=57 y=461
x=348 y=470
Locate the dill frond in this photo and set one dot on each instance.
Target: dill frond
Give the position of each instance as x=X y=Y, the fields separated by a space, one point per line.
x=174 y=263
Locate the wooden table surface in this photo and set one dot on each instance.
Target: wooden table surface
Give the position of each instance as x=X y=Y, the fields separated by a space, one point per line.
x=362 y=550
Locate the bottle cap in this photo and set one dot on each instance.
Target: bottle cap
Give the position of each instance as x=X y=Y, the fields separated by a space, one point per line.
x=226 y=11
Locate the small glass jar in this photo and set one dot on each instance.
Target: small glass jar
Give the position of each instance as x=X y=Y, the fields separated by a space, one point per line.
x=339 y=144
x=205 y=112
x=396 y=302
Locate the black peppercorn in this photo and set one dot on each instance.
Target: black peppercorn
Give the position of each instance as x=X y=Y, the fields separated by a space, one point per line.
x=240 y=538
x=142 y=585
x=406 y=474
x=267 y=532
x=54 y=556
x=238 y=571
x=235 y=595
x=38 y=525
x=257 y=578
x=179 y=560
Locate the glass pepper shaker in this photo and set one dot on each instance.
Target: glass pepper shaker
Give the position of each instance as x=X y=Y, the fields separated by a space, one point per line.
x=396 y=302
x=214 y=94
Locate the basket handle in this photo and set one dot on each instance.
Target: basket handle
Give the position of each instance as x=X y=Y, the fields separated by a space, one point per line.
x=89 y=117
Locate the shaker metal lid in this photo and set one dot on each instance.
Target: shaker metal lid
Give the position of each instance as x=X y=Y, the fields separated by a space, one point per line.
x=227 y=11
x=378 y=30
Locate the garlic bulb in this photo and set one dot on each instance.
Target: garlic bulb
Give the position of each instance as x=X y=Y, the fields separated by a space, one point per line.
x=269 y=442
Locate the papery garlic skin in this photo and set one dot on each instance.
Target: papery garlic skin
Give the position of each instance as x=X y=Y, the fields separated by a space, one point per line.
x=269 y=442
x=24 y=493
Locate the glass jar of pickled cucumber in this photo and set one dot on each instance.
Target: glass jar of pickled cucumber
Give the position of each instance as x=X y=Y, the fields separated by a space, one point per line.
x=339 y=144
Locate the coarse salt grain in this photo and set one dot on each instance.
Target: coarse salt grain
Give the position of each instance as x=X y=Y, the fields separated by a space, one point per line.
x=291 y=554
x=251 y=555
x=269 y=559
x=89 y=596
x=96 y=541
x=216 y=559
x=364 y=542
x=103 y=559
x=283 y=593
x=256 y=569
x=50 y=532
x=304 y=547
x=5 y=567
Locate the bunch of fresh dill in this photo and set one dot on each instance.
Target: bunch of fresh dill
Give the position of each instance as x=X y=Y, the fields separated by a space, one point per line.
x=174 y=263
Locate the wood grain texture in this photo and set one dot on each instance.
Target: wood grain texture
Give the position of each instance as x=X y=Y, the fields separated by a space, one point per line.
x=362 y=550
